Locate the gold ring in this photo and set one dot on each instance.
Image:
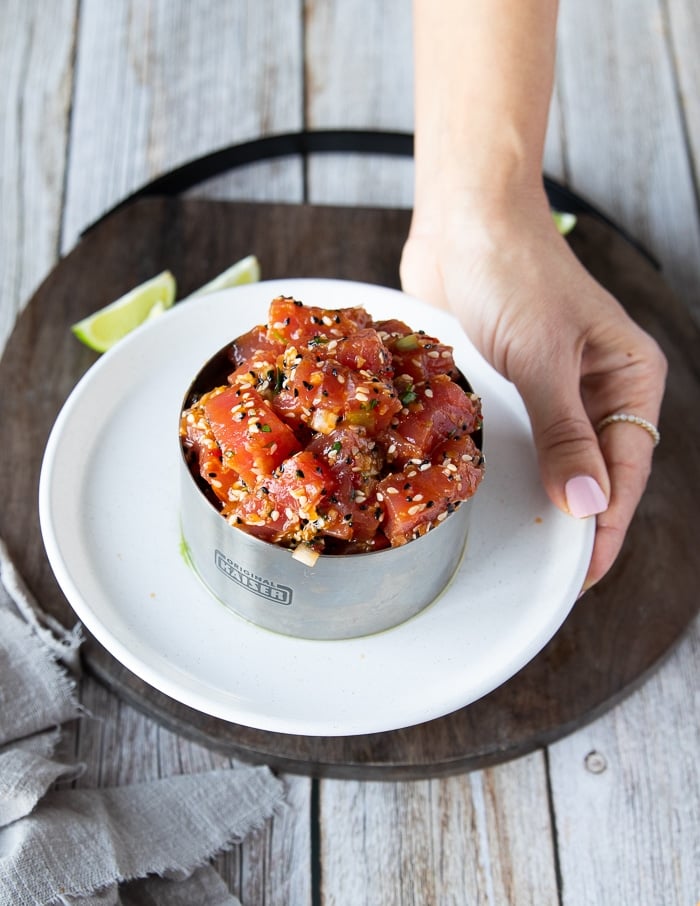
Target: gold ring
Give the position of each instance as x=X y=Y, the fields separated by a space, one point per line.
x=651 y=429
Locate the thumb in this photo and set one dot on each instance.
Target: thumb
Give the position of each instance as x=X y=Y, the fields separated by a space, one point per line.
x=573 y=470
x=420 y=273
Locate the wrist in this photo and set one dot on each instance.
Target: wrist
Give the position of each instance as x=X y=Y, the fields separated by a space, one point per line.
x=471 y=211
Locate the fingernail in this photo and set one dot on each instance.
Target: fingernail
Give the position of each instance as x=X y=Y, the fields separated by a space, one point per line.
x=584 y=496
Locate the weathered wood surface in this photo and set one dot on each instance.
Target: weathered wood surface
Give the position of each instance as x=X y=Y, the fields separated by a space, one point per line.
x=36 y=74
x=160 y=83
x=483 y=837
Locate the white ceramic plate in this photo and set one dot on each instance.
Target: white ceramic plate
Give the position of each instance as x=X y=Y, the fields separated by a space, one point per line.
x=109 y=518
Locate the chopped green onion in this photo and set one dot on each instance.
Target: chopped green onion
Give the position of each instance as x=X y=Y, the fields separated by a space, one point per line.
x=407 y=343
x=409 y=395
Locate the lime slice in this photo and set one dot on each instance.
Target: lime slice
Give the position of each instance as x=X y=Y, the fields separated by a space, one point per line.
x=247 y=270
x=564 y=222
x=105 y=327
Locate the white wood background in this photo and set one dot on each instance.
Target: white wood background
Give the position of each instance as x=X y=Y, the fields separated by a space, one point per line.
x=99 y=96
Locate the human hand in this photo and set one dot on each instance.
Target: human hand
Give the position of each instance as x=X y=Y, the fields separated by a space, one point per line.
x=574 y=355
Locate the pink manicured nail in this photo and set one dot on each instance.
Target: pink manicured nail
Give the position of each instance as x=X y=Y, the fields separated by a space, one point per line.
x=584 y=496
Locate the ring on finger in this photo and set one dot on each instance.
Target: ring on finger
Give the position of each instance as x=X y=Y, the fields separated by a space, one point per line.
x=630 y=419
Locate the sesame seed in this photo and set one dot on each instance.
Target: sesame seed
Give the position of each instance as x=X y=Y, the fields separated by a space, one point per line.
x=392 y=490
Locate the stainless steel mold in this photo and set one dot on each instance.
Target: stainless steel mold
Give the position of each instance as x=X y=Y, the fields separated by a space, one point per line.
x=341 y=596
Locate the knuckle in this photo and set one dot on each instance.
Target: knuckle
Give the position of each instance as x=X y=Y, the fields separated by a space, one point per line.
x=652 y=360
x=633 y=471
x=569 y=435
x=656 y=358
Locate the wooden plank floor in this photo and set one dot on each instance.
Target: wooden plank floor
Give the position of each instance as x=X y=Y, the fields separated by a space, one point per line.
x=100 y=97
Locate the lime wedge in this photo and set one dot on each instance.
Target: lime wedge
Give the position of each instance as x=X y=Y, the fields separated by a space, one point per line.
x=247 y=270
x=101 y=330
x=147 y=301
x=564 y=222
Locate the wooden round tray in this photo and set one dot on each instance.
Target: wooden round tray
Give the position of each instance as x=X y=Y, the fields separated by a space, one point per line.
x=614 y=636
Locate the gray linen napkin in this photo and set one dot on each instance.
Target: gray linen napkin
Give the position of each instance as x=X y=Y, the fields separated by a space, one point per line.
x=77 y=846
